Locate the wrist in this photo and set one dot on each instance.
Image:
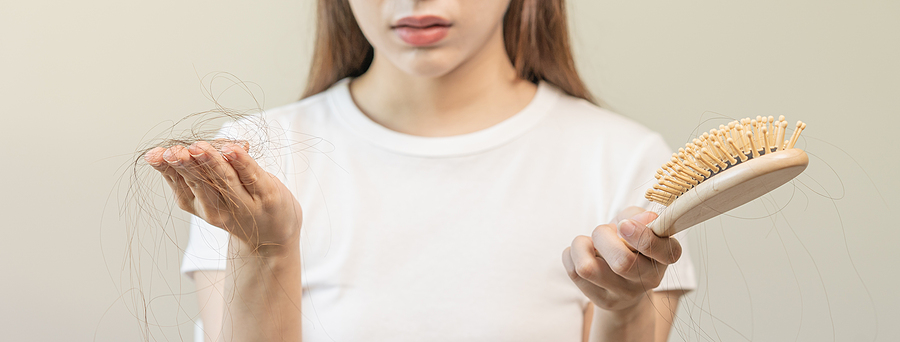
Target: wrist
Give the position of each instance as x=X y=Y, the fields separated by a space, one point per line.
x=632 y=323
x=241 y=249
x=629 y=314
x=641 y=305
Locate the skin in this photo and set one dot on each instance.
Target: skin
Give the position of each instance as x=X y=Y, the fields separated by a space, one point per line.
x=462 y=84
x=619 y=280
x=229 y=190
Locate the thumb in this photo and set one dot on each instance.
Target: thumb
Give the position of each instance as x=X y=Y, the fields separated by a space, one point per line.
x=629 y=212
x=645 y=218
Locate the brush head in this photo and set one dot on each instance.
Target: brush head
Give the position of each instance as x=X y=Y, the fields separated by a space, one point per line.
x=730 y=189
x=724 y=169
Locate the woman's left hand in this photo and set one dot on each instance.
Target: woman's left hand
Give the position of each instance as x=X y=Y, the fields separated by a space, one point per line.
x=612 y=275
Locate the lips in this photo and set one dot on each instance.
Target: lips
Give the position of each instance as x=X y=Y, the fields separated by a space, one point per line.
x=421 y=30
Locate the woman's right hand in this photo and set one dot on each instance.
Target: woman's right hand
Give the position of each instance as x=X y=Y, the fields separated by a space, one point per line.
x=229 y=190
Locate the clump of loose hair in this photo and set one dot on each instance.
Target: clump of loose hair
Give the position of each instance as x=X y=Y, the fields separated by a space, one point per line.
x=148 y=208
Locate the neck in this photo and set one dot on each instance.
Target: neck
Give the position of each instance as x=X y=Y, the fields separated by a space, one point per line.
x=481 y=92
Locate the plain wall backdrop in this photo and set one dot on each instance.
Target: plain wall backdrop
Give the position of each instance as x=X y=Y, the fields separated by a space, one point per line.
x=83 y=82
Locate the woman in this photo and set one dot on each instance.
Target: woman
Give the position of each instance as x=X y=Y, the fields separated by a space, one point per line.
x=463 y=155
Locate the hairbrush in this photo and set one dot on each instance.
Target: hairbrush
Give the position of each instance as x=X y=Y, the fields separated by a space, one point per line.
x=724 y=169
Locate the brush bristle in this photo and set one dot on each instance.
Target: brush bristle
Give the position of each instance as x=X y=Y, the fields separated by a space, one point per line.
x=718 y=150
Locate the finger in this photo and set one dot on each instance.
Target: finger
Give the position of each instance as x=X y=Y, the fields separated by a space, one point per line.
x=622 y=260
x=595 y=293
x=218 y=171
x=628 y=213
x=154 y=158
x=593 y=268
x=645 y=217
x=183 y=194
x=255 y=180
x=641 y=215
x=179 y=158
x=601 y=274
x=219 y=143
x=664 y=250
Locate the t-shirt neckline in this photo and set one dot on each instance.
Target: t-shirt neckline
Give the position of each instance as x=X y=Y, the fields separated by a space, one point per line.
x=457 y=145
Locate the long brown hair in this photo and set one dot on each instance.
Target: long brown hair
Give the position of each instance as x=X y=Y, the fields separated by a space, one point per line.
x=535 y=33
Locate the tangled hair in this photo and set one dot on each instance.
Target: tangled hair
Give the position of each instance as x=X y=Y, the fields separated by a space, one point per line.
x=535 y=32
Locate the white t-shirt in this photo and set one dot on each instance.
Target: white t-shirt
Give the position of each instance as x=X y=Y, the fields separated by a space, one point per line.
x=409 y=238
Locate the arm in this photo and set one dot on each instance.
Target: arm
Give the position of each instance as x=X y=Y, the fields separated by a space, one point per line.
x=263 y=293
x=229 y=190
x=266 y=291
x=619 y=279
x=210 y=295
x=665 y=303
x=650 y=321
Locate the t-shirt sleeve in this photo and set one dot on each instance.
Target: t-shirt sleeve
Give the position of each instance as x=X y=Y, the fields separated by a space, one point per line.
x=207 y=247
x=654 y=153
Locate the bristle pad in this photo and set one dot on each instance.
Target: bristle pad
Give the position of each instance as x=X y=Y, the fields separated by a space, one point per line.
x=717 y=150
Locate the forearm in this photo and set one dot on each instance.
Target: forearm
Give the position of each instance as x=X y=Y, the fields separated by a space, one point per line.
x=637 y=323
x=210 y=295
x=263 y=294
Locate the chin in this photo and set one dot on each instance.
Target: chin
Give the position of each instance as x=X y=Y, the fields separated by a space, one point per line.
x=424 y=63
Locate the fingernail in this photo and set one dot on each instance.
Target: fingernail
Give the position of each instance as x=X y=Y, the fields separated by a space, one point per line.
x=148 y=157
x=195 y=150
x=227 y=152
x=169 y=156
x=644 y=217
x=626 y=228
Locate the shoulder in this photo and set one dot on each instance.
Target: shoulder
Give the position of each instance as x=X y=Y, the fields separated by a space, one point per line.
x=310 y=110
x=311 y=114
x=601 y=130
x=270 y=131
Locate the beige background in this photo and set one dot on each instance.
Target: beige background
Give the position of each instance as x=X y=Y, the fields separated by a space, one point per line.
x=82 y=82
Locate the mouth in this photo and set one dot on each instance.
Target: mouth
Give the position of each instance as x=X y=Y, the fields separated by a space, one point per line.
x=421 y=30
